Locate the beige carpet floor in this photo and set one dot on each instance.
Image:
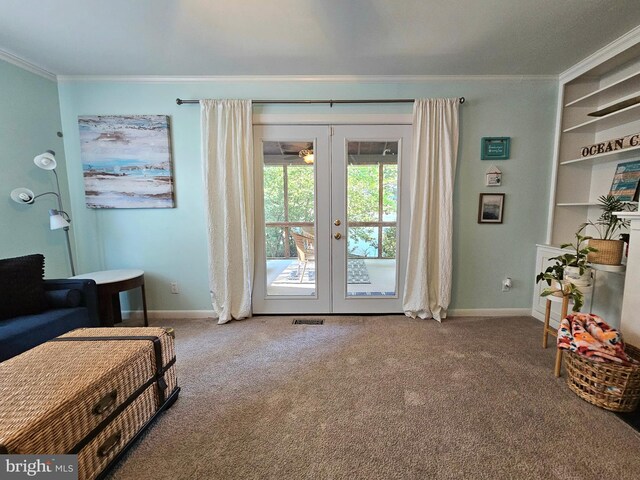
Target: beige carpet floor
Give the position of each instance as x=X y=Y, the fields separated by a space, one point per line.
x=376 y=398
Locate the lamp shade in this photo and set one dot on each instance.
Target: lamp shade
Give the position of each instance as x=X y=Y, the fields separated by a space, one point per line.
x=22 y=195
x=46 y=160
x=56 y=220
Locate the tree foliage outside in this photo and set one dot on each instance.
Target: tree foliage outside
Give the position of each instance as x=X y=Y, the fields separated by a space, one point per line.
x=390 y=193
x=301 y=187
x=273 y=194
x=362 y=193
x=389 y=242
x=363 y=205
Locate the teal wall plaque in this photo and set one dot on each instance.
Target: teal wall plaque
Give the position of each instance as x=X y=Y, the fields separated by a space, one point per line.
x=495 y=148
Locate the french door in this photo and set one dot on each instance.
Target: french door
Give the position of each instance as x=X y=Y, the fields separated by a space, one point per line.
x=331 y=218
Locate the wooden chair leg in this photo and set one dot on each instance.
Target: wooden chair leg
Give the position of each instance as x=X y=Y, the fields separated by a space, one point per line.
x=547 y=316
x=304 y=268
x=558 y=362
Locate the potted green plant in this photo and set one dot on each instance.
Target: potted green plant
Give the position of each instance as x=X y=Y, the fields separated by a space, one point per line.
x=608 y=247
x=570 y=274
x=577 y=269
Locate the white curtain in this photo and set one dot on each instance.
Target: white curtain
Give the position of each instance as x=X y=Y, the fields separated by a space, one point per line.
x=227 y=155
x=427 y=288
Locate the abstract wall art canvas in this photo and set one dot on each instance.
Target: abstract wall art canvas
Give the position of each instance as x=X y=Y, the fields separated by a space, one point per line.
x=126 y=161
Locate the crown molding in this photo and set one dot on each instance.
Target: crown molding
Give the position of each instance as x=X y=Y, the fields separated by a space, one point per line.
x=619 y=45
x=297 y=78
x=28 y=66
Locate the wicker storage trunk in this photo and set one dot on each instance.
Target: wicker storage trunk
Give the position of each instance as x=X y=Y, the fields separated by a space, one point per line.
x=89 y=392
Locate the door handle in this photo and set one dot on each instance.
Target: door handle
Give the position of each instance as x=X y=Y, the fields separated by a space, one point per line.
x=337 y=236
x=337 y=223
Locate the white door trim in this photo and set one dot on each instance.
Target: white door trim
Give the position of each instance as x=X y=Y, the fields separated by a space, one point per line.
x=332 y=119
x=321 y=300
x=331 y=259
x=341 y=135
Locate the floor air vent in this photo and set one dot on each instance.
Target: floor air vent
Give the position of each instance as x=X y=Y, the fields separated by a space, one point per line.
x=308 y=321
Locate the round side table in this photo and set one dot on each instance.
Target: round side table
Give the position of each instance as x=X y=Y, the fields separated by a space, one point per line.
x=110 y=283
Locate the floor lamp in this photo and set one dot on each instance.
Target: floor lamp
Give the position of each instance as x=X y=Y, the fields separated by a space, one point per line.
x=57 y=218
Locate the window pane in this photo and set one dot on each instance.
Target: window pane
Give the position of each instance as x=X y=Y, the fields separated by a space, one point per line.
x=274 y=193
x=362 y=193
x=301 y=193
x=289 y=208
x=362 y=242
x=372 y=212
x=388 y=242
x=390 y=193
x=274 y=242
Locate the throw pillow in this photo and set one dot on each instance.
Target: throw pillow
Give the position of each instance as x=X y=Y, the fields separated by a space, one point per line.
x=22 y=286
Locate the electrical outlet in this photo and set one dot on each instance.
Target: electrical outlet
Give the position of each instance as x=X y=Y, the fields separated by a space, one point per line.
x=506 y=284
x=174 y=287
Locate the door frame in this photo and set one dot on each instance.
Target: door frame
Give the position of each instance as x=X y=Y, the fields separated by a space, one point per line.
x=340 y=302
x=327 y=121
x=321 y=301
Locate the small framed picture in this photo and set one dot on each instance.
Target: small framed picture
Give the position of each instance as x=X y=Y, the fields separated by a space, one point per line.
x=491 y=208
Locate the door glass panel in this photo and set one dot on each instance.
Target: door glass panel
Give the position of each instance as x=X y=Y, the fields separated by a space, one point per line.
x=372 y=210
x=289 y=213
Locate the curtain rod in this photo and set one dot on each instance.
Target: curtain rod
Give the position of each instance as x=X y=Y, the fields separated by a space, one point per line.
x=331 y=103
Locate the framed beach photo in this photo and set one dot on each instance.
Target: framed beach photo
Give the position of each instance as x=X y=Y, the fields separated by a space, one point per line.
x=491 y=208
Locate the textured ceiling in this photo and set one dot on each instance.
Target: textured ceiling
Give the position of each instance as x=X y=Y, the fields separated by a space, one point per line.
x=311 y=37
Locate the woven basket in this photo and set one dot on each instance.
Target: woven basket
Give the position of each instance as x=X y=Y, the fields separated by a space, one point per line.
x=609 y=251
x=611 y=386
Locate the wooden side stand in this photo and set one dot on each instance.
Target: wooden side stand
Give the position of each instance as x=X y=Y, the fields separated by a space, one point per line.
x=109 y=300
x=110 y=284
x=548 y=330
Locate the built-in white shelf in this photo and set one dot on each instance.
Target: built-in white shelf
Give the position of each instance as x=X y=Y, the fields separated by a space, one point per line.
x=605 y=122
x=617 y=155
x=607 y=80
x=635 y=216
x=577 y=204
x=585 y=204
x=604 y=106
x=615 y=89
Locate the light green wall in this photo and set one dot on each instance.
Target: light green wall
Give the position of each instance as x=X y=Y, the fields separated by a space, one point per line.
x=29 y=121
x=170 y=244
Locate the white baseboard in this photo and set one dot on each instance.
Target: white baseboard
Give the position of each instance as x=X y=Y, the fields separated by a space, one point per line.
x=168 y=314
x=470 y=312
x=540 y=316
x=489 y=312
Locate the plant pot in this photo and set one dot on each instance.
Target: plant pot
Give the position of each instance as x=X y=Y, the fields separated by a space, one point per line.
x=572 y=274
x=560 y=290
x=609 y=251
